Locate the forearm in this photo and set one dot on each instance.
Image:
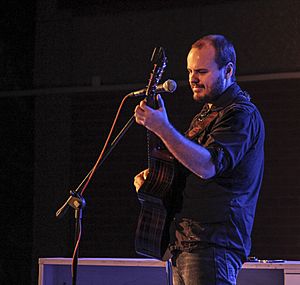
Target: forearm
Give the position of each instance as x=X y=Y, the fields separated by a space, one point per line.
x=193 y=156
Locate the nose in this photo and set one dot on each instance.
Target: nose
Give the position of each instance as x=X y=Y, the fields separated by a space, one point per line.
x=193 y=78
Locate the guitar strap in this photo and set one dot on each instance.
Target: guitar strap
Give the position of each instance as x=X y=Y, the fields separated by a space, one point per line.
x=200 y=123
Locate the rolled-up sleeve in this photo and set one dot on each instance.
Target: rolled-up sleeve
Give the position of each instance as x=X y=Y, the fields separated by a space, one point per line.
x=230 y=138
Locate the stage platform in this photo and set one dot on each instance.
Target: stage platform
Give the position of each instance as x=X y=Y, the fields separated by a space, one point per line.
x=123 y=271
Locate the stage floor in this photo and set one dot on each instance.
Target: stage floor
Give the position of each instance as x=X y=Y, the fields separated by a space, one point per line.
x=128 y=271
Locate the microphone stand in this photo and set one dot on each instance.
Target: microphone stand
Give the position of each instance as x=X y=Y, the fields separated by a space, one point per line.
x=77 y=202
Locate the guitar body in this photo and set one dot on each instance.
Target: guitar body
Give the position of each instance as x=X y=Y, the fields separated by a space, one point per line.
x=156 y=195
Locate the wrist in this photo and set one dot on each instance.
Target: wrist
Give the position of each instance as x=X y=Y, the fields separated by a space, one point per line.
x=165 y=131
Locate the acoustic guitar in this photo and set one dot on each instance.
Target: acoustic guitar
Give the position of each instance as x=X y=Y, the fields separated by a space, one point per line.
x=157 y=194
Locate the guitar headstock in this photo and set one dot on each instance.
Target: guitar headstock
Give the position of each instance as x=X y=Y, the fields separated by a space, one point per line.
x=159 y=58
x=159 y=61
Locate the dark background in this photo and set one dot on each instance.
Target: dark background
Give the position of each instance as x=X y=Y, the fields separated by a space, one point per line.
x=64 y=68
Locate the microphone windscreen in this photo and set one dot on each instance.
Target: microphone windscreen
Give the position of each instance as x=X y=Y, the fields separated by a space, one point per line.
x=170 y=85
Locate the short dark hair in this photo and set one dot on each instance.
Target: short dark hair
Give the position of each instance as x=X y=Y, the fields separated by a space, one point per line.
x=225 y=51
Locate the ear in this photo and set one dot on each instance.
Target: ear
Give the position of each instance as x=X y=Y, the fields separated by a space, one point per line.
x=229 y=70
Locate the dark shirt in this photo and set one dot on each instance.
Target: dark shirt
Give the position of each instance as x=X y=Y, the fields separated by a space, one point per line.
x=221 y=210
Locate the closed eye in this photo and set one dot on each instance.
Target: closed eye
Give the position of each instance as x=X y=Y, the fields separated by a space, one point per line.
x=198 y=71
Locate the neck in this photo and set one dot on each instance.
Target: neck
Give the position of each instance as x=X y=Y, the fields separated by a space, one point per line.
x=228 y=84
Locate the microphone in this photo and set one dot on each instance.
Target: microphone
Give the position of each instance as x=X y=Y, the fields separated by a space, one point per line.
x=168 y=86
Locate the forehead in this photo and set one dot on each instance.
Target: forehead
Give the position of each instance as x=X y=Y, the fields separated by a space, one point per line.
x=202 y=58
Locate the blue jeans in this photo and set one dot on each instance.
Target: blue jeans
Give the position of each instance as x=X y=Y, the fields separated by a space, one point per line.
x=205 y=266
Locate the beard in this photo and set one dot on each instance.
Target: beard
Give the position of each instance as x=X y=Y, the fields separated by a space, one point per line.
x=210 y=96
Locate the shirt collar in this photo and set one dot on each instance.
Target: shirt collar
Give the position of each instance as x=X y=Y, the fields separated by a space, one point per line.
x=227 y=97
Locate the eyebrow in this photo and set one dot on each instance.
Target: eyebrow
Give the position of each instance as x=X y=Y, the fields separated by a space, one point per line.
x=198 y=70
